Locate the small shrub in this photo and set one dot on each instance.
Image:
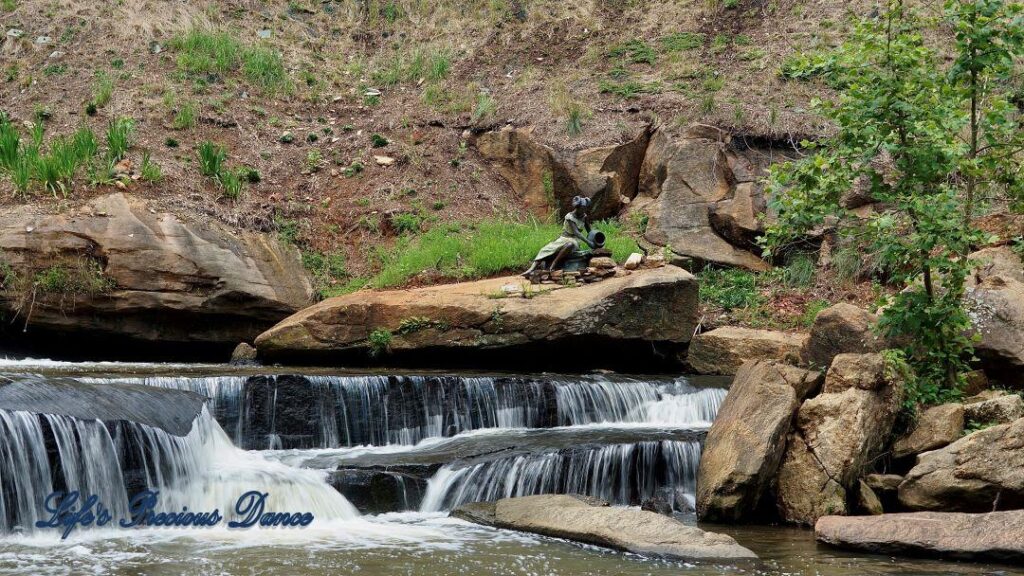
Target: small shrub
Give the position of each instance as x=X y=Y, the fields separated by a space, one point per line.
x=171 y=143
x=313 y=160
x=353 y=169
x=211 y=158
x=378 y=141
x=405 y=222
x=379 y=342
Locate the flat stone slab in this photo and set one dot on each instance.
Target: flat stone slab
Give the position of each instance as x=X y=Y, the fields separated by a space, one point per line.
x=594 y=522
x=167 y=409
x=997 y=536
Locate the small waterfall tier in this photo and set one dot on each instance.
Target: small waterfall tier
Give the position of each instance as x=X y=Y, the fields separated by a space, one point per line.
x=302 y=412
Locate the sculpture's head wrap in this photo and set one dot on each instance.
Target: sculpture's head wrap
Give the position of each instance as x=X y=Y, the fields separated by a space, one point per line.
x=580 y=202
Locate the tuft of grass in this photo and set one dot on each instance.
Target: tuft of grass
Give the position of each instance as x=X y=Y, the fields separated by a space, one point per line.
x=485 y=107
x=231 y=184
x=481 y=249
x=730 y=288
x=629 y=88
x=211 y=158
x=681 y=41
x=203 y=52
x=636 y=51
x=264 y=67
x=151 y=171
x=800 y=271
x=102 y=89
x=378 y=141
x=119 y=135
x=186 y=116
x=10 y=143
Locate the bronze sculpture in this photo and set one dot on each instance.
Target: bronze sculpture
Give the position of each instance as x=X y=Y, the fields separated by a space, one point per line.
x=575 y=229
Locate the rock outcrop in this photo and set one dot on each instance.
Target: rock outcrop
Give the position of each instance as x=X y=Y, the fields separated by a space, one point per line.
x=836 y=434
x=724 y=350
x=693 y=181
x=837 y=329
x=652 y=305
x=996 y=308
x=995 y=536
x=993 y=407
x=981 y=472
x=594 y=522
x=997 y=261
x=117 y=268
x=748 y=438
x=935 y=427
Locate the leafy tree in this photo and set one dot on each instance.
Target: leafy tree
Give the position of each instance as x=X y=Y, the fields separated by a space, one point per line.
x=901 y=123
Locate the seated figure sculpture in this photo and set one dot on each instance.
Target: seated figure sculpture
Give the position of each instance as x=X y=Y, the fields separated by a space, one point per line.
x=575 y=231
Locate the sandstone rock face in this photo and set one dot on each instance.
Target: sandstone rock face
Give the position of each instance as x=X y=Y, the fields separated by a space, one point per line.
x=867 y=500
x=997 y=261
x=997 y=536
x=724 y=350
x=978 y=473
x=683 y=180
x=154 y=277
x=836 y=434
x=648 y=305
x=747 y=440
x=547 y=179
x=935 y=427
x=996 y=307
x=837 y=329
x=628 y=529
x=994 y=409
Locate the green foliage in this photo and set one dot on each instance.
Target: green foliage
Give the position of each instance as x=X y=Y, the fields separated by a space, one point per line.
x=185 y=117
x=150 y=171
x=629 y=88
x=119 y=136
x=484 y=108
x=211 y=158
x=481 y=249
x=729 y=288
x=804 y=66
x=379 y=342
x=899 y=117
x=327 y=270
x=102 y=89
x=405 y=222
x=202 y=52
x=811 y=312
x=800 y=271
x=378 y=141
x=635 y=51
x=682 y=41
x=84 y=276
x=231 y=184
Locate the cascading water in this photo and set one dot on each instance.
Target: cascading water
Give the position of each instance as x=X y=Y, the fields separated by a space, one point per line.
x=275 y=412
x=619 y=473
x=202 y=470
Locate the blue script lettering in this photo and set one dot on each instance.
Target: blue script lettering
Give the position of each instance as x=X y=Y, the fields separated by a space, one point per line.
x=251 y=508
x=142 y=514
x=63 y=513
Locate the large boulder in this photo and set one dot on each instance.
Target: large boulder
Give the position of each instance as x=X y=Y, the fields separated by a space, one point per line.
x=115 y=267
x=996 y=307
x=583 y=520
x=995 y=536
x=996 y=261
x=653 y=305
x=836 y=435
x=683 y=180
x=993 y=407
x=837 y=329
x=981 y=472
x=547 y=179
x=746 y=442
x=724 y=350
x=935 y=427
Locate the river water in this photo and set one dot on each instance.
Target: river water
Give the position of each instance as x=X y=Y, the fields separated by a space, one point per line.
x=306 y=437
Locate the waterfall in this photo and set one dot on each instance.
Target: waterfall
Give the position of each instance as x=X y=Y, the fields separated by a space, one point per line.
x=202 y=470
x=299 y=412
x=618 y=473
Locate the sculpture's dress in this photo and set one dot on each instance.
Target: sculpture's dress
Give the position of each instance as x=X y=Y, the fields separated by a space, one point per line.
x=572 y=233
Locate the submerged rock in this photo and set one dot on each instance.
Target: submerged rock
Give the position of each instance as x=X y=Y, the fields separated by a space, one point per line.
x=981 y=472
x=590 y=522
x=724 y=350
x=997 y=536
x=747 y=440
x=121 y=269
x=656 y=305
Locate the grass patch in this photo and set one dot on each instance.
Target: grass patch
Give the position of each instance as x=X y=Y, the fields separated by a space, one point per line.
x=479 y=250
x=186 y=116
x=119 y=135
x=81 y=277
x=629 y=88
x=53 y=166
x=211 y=158
x=636 y=51
x=681 y=41
x=206 y=52
x=151 y=171
x=730 y=288
x=102 y=89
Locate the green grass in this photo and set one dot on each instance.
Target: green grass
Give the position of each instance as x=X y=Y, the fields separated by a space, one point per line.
x=629 y=88
x=327 y=270
x=82 y=277
x=485 y=107
x=479 y=250
x=211 y=158
x=231 y=184
x=730 y=288
x=636 y=51
x=185 y=117
x=151 y=171
x=53 y=167
x=102 y=89
x=681 y=41
x=203 y=52
x=119 y=135
x=10 y=142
